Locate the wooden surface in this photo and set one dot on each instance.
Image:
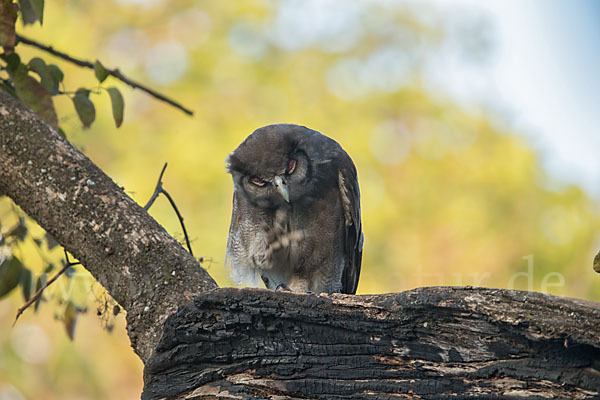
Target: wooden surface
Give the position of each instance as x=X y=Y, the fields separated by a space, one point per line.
x=429 y=343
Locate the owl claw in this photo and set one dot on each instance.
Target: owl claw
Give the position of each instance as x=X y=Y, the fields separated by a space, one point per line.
x=283 y=287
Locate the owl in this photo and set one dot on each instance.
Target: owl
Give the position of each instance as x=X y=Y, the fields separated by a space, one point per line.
x=296 y=221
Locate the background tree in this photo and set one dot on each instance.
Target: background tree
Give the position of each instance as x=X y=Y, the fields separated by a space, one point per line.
x=471 y=193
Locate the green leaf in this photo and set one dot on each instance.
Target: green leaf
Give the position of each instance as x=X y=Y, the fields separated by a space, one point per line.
x=57 y=72
x=8 y=89
x=38 y=7
x=36 y=64
x=49 y=80
x=8 y=16
x=41 y=281
x=50 y=241
x=32 y=10
x=10 y=274
x=35 y=96
x=70 y=319
x=13 y=61
x=100 y=71
x=84 y=107
x=19 y=232
x=69 y=272
x=26 y=282
x=118 y=105
x=83 y=92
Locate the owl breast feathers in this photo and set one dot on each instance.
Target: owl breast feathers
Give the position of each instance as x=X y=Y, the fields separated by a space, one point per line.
x=296 y=222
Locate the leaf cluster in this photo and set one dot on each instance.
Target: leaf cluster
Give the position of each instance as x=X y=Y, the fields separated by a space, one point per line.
x=36 y=82
x=14 y=274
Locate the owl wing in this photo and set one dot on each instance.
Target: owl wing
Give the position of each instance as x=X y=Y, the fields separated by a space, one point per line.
x=350 y=194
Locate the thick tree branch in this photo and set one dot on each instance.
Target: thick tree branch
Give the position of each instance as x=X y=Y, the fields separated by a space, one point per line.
x=429 y=343
x=114 y=72
x=146 y=271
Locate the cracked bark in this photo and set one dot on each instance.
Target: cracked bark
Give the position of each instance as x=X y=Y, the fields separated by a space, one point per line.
x=228 y=343
x=430 y=343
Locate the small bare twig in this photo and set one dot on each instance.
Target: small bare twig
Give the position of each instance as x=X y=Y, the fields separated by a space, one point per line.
x=37 y=294
x=114 y=72
x=158 y=190
x=187 y=240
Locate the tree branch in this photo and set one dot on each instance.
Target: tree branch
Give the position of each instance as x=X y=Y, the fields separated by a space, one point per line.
x=114 y=72
x=158 y=190
x=143 y=268
x=428 y=343
x=37 y=294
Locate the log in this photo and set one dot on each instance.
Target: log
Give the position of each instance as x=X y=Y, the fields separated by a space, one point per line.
x=430 y=343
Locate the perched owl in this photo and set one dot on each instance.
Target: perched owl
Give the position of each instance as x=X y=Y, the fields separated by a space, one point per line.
x=296 y=212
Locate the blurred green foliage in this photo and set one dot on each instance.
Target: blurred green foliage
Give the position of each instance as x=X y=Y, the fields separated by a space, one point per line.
x=450 y=196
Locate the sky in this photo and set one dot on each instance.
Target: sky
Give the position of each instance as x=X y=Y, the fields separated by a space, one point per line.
x=544 y=77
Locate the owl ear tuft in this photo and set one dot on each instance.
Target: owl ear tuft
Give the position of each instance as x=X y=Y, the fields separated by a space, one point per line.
x=235 y=164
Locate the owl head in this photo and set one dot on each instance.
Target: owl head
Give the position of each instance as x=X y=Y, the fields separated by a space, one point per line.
x=282 y=164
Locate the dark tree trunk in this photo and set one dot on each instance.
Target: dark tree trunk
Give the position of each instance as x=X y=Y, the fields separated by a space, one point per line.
x=428 y=343
x=228 y=343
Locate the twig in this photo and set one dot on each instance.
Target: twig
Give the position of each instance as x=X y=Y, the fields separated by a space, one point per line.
x=187 y=240
x=158 y=190
x=114 y=72
x=37 y=294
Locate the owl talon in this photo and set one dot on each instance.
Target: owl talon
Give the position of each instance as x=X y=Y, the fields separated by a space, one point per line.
x=283 y=287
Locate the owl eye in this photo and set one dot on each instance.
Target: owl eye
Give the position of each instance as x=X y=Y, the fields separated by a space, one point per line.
x=291 y=166
x=257 y=181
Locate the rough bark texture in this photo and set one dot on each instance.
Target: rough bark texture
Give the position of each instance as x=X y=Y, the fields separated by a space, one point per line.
x=143 y=268
x=431 y=343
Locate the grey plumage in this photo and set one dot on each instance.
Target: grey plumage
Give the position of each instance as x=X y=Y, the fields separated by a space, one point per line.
x=296 y=212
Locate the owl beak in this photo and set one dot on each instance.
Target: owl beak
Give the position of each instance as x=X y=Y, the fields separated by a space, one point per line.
x=282 y=188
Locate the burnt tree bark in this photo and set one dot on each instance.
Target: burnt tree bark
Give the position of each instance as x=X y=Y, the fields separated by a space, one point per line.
x=431 y=343
x=199 y=343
